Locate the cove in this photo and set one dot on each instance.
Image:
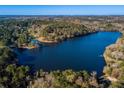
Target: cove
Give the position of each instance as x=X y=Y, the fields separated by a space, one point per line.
x=80 y=53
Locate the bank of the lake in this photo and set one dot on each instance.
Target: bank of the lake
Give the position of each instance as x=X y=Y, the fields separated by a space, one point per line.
x=114 y=57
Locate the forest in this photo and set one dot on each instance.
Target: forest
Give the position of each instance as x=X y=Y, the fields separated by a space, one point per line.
x=19 y=32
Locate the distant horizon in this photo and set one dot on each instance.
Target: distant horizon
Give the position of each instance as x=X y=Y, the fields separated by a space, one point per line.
x=61 y=10
x=61 y=15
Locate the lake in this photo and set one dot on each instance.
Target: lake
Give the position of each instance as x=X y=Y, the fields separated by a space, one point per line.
x=80 y=53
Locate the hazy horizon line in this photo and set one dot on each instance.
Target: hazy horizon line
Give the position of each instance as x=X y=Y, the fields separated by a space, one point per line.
x=67 y=15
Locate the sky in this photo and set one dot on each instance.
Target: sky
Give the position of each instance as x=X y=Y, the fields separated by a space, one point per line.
x=61 y=10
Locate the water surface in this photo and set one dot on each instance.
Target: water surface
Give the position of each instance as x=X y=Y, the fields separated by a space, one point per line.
x=80 y=53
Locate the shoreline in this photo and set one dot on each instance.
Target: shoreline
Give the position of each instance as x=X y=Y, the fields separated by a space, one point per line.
x=42 y=39
x=50 y=42
x=113 y=57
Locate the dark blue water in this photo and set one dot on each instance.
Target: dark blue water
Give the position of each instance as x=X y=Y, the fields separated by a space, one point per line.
x=81 y=53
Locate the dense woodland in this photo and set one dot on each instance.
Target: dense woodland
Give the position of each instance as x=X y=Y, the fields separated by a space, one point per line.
x=18 y=31
x=59 y=31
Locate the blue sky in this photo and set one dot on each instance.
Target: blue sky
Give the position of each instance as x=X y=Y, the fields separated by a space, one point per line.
x=62 y=10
